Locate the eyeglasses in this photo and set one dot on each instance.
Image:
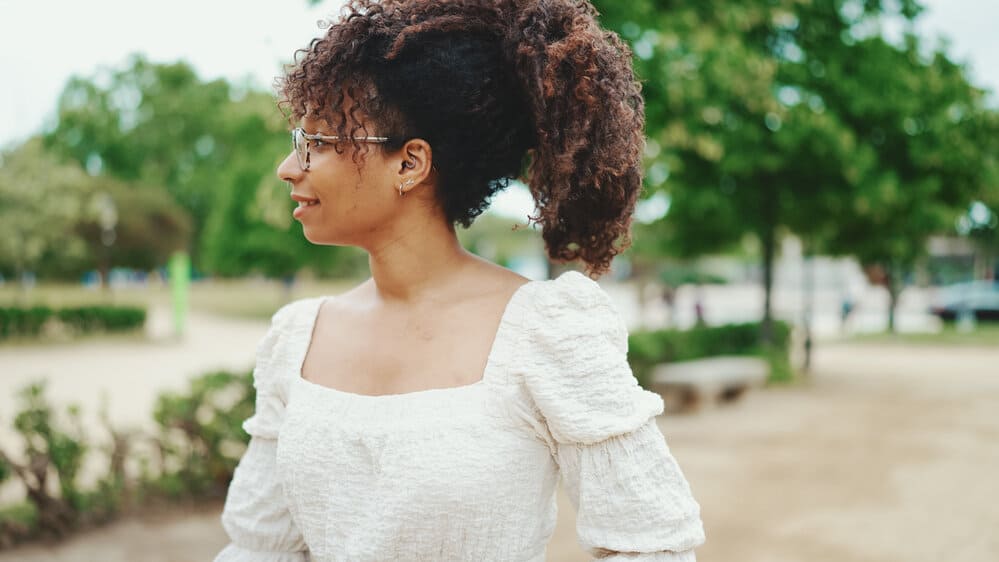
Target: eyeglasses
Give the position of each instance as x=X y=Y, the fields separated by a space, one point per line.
x=300 y=142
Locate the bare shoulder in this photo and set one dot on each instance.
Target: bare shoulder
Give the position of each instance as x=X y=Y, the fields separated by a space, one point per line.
x=492 y=280
x=357 y=298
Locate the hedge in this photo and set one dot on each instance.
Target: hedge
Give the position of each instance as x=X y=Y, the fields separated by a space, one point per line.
x=647 y=349
x=28 y=321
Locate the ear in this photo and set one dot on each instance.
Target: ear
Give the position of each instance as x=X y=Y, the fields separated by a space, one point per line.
x=414 y=163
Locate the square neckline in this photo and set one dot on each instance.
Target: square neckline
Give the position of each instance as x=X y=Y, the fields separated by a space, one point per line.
x=482 y=381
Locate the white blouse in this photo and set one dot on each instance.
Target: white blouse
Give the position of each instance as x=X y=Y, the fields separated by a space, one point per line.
x=467 y=473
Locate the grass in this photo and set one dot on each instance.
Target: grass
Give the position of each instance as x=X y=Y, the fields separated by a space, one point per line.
x=984 y=334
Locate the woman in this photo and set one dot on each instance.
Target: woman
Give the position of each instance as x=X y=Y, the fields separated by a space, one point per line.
x=428 y=413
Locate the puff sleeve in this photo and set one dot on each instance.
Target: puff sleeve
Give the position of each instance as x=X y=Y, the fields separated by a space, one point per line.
x=256 y=516
x=632 y=500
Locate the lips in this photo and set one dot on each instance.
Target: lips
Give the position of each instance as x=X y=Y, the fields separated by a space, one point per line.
x=304 y=203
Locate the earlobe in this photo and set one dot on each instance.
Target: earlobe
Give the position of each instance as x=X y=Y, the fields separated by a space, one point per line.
x=407 y=183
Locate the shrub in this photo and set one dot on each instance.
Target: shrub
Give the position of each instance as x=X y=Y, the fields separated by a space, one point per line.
x=28 y=321
x=199 y=443
x=647 y=349
x=17 y=521
x=201 y=435
x=49 y=451
x=87 y=319
x=18 y=321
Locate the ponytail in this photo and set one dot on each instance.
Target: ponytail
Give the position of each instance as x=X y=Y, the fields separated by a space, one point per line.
x=585 y=174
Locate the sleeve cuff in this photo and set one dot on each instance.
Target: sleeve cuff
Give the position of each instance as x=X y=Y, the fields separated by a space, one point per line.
x=686 y=556
x=235 y=553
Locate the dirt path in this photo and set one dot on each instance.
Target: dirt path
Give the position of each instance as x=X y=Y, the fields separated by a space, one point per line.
x=131 y=371
x=887 y=454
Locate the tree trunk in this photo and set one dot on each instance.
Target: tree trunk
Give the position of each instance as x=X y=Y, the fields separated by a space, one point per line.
x=891 y=283
x=54 y=514
x=769 y=242
x=104 y=268
x=809 y=291
x=21 y=297
x=105 y=273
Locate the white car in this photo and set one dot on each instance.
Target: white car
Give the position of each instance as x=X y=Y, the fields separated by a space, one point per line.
x=980 y=298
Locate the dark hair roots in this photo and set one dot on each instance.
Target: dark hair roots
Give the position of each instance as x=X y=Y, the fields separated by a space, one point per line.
x=501 y=89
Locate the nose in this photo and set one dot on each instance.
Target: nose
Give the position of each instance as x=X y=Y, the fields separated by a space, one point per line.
x=289 y=170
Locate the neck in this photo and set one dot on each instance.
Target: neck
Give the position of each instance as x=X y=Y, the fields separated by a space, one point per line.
x=417 y=261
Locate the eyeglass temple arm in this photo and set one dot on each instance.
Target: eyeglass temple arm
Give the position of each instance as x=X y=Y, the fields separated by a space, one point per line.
x=336 y=138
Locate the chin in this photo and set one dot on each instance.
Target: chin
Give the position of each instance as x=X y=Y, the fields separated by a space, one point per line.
x=321 y=238
x=313 y=237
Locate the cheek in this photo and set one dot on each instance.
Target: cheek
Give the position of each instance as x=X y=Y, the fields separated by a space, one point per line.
x=351 y=208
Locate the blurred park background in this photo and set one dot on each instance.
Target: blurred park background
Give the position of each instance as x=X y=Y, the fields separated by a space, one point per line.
x=821 y=197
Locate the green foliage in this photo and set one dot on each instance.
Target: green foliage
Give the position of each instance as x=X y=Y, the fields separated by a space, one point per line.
x=647 y=349
x=49 y=450
x=86 y=319
x=678 y=276
x=40 y=201
x=201 y=434
x=17 y=522
x=154 y=123
x=28 y=322
x=200 y=442
x=63 y=448
x=766 y=117
x=250 y=228
x=781 y=371
x=49 y=218
x=19 y=321
x=921 y=128
x=156 y=133
x=22 y=513
x=150 y=227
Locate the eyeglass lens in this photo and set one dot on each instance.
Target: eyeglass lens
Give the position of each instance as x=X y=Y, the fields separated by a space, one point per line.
x=301 y=147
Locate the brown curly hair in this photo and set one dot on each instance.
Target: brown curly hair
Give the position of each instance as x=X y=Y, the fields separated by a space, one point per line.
x=501 y=89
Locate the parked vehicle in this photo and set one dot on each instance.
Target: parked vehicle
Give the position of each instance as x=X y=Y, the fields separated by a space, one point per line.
x=980 y=298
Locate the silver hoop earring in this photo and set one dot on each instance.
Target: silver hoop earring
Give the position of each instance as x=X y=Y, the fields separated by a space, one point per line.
x=409 y=182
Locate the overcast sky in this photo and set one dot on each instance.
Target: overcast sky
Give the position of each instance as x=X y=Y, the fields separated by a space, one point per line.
x=43 y=43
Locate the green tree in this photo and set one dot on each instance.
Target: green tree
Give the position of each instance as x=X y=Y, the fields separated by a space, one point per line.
x=40 y=202
x=156 y=124
x=925 y=127
x=50 y=218
x=149 y=227
x=250 y=228
x=213 y=147
x=780 y=116
x=739 y=151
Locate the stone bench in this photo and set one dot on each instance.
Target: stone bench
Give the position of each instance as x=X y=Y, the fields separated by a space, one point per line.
x=690 y=385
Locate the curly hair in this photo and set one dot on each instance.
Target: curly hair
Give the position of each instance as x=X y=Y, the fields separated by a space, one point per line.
x=500 y=89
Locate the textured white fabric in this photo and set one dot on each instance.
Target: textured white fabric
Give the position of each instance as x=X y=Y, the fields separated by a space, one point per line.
x=466 y=473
